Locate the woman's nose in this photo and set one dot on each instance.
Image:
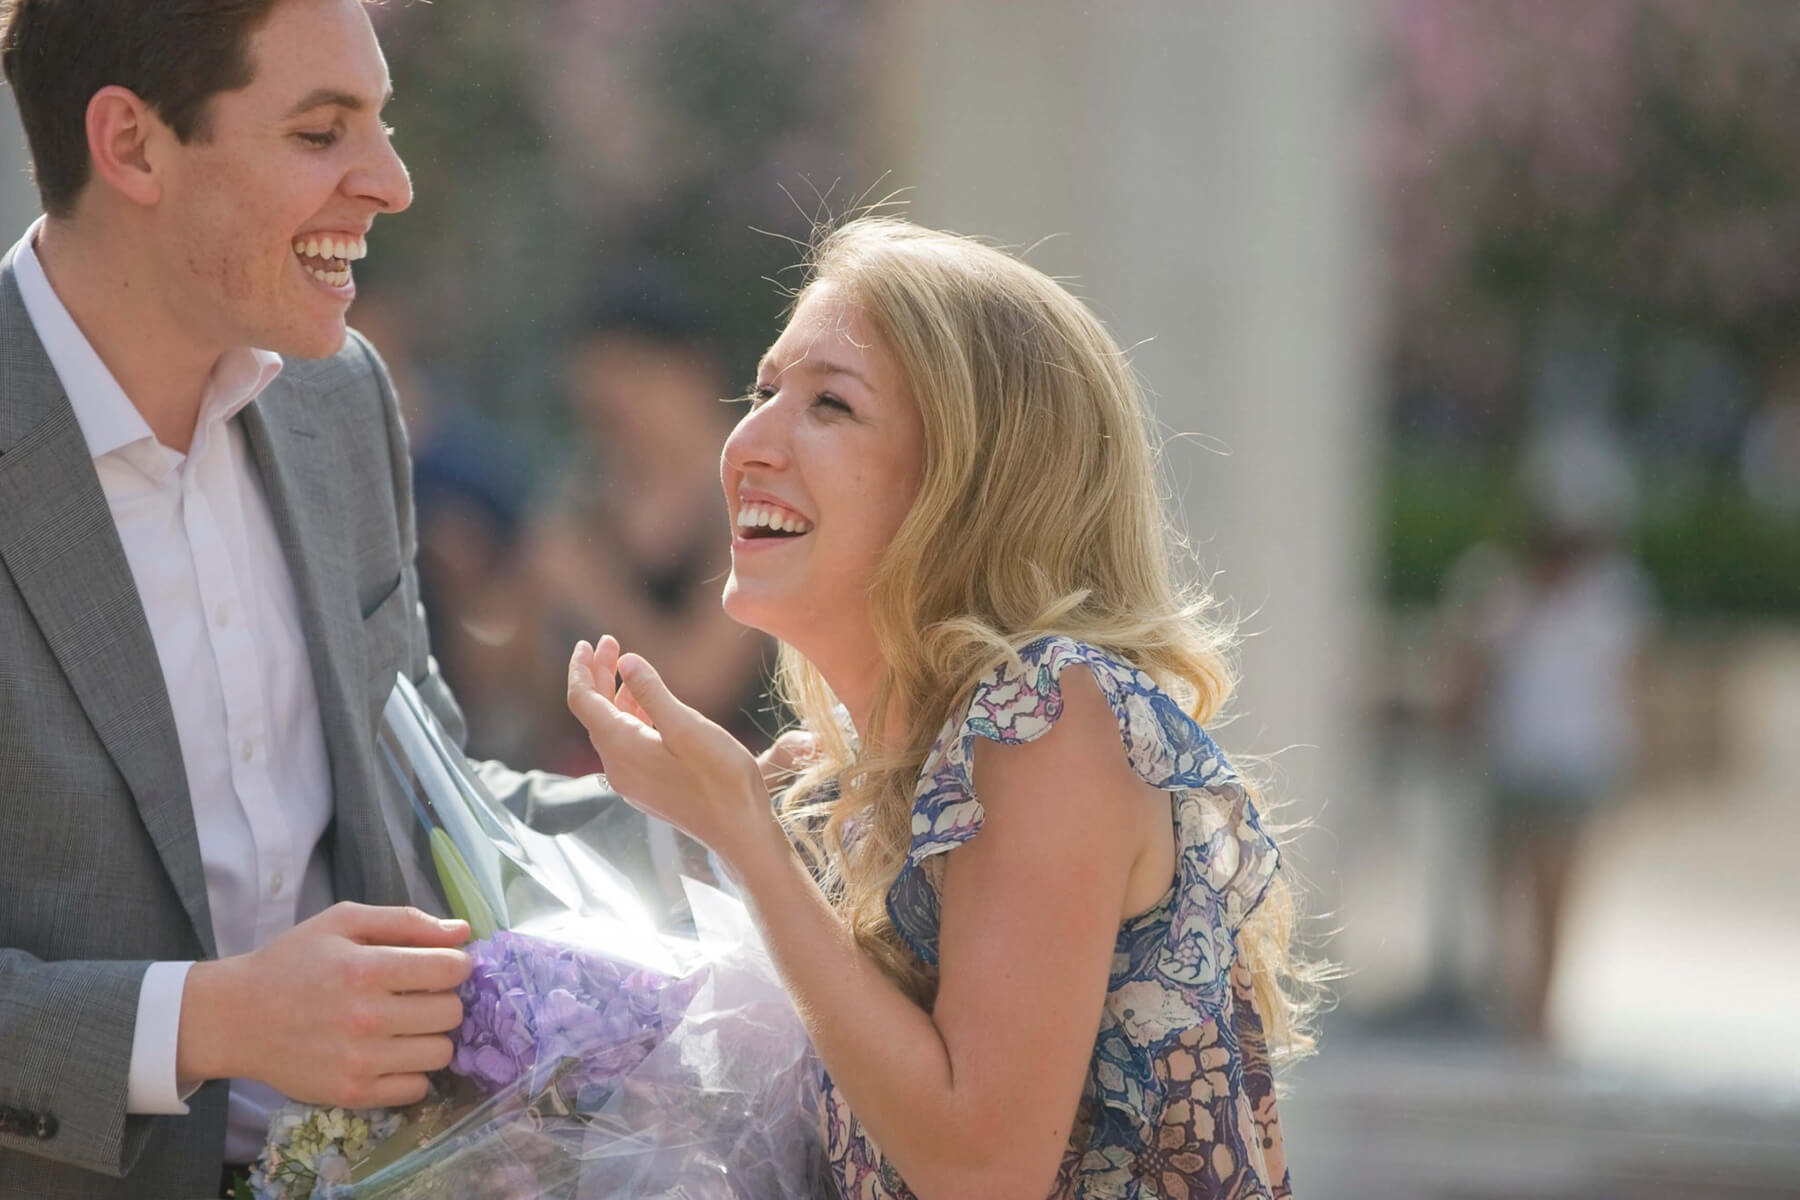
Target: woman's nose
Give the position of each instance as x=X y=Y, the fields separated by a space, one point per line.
x=759 y=440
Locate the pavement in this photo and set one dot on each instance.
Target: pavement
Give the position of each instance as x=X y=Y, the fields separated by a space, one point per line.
x=1378 y=1117
x=1673 y=1068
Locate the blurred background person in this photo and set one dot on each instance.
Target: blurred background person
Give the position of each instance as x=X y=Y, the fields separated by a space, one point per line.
x=1547 y=665
x=471 y=488
x=635 y=538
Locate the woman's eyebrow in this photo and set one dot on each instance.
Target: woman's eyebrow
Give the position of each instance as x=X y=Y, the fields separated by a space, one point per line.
x=832 y=368
x=813 y=366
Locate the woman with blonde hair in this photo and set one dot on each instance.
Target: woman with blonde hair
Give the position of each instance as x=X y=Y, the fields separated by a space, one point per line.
x=1026 y=909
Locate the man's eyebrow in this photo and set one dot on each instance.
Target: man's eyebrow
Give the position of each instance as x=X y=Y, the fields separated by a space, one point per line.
x=326 y=97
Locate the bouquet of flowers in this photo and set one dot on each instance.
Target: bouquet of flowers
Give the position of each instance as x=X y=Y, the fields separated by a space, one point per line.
x=598 y=1056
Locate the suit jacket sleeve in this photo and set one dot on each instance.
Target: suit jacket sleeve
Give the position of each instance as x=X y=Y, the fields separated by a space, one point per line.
x=65 y=1051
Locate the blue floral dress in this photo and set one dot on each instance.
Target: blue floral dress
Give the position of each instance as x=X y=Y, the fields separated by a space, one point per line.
x=1178 y=1101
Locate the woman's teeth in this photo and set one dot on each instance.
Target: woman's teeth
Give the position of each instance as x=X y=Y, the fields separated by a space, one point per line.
x=763 y=516
x=328 y=258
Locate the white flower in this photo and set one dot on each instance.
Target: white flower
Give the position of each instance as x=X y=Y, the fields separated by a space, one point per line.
x=334 y=1167
x=284 y=1124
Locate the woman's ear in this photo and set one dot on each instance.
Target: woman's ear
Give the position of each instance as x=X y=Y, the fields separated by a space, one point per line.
x=121 y=130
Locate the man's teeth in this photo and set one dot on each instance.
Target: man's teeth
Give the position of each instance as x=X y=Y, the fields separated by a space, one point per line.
x=763 y=516
x=343 y=249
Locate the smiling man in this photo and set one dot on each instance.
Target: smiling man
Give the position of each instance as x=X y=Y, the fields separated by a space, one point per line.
x=206 y=589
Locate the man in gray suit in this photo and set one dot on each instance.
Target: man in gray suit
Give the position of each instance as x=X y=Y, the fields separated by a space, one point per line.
x=206 y=589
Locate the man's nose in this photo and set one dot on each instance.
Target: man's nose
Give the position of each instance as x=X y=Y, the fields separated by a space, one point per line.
x=383 y=179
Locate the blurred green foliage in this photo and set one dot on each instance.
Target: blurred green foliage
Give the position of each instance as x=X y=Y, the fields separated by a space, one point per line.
x=1709 y=551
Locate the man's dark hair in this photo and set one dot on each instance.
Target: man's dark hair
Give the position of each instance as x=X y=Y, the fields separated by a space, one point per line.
x=176 y=55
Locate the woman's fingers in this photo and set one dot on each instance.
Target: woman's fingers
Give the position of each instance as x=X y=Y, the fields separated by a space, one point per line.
x=624 y=701
x=587 y=694
x=653 y=696
x=601 y=662
x=606 y=660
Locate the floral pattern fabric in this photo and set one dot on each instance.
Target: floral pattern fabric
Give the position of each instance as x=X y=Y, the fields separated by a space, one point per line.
x=1179 y=1101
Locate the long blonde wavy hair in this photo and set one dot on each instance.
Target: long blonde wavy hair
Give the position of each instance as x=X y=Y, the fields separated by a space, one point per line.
x=1037 y=513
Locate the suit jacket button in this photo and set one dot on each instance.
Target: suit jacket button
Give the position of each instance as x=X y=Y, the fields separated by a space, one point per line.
x=46 y=1126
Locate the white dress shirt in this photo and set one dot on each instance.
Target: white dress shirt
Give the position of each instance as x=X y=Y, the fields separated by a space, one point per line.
x=215 y=587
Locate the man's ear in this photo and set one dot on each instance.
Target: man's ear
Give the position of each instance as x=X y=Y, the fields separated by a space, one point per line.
x=121 y=130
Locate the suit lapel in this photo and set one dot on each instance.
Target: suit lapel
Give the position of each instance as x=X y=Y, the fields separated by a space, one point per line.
x=305 y=489
x=60 y=545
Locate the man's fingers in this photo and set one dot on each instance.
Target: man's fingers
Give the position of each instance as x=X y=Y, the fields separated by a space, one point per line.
x=792 y=749
x=375 y=925
x=415 y=969
x=405 y=1055
x=424 y=1013
x=395 y=1091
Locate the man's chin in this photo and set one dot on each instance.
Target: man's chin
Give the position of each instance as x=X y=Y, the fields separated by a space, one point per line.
x=323 y=341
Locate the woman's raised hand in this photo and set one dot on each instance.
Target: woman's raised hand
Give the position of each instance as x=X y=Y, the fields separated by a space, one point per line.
x=667 y=759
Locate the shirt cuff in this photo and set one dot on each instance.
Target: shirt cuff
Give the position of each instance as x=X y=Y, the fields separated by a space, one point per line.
x=152 y=1088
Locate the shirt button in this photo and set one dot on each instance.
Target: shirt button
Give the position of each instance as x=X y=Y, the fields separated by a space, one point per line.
x=275 y=882
x=222 y=616
x=248 y=750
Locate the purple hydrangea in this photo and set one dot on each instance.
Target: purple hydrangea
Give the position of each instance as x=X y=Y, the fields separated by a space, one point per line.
x=542 y=1011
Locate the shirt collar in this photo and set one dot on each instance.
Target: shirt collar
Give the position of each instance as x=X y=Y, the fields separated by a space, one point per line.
x=106 y=415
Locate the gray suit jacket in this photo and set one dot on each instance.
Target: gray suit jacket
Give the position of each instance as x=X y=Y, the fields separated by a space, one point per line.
x=100 y=870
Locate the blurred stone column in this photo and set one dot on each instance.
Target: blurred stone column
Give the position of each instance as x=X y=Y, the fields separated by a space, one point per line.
x=1202 y=165
x=18 y=195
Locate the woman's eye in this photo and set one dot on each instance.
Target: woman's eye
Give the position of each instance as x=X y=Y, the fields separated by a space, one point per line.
x=827 y=400
x=759 y=393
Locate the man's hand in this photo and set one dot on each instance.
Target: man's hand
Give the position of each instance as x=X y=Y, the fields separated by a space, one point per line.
x=785 y=759
x=351 y=1008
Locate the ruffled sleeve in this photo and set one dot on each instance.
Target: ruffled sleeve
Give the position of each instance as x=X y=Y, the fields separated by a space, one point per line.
x=1225 y=859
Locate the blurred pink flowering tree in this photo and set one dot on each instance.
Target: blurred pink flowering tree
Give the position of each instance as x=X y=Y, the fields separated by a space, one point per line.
x=1637 y=155
x=1595 y=204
